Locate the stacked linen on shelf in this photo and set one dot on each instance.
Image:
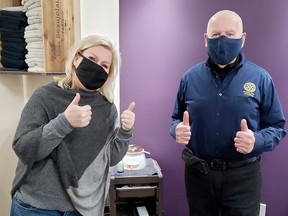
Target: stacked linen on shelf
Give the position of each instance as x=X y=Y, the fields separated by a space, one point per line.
x=13 y=21
x=34 y=36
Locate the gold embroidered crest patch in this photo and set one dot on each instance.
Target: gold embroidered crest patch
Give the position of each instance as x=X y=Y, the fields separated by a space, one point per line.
x=249 y=89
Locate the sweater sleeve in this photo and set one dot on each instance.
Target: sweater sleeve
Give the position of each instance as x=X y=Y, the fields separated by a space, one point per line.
x=119 y=145
x=119 y=140
x=36 y=136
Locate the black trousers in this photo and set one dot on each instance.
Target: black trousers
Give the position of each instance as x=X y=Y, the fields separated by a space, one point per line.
x=231 y=192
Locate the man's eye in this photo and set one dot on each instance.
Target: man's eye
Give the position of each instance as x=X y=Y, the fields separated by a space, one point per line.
x=215 y=35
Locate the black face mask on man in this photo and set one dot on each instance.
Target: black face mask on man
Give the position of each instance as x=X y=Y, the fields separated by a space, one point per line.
x=223 y=50
x=91 y=75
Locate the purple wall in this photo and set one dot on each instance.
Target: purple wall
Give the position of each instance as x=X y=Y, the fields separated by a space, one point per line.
x=159 y=41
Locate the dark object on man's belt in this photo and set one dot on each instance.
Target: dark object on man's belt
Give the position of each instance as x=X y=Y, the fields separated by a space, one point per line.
x=203 y=165
x=191 y=159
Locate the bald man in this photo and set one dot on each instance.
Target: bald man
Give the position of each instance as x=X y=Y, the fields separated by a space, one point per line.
x=226 y=114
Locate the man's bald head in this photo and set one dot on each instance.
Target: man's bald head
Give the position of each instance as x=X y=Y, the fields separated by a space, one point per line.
x=225 y=22
x=228 y=24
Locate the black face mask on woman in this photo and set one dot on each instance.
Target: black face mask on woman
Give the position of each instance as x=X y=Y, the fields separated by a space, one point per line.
x=91 y=75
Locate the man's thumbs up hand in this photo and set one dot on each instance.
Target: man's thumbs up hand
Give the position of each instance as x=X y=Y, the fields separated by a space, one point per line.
x=244 y=126
x=127 y=118
x=245 y=139
x=186 y=118
x=183 y=133
x=78 y=116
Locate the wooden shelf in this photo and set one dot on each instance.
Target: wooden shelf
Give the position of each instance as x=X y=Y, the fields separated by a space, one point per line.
x=16 y=72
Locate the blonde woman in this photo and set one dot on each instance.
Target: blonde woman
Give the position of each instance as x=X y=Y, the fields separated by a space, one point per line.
x=68 y=137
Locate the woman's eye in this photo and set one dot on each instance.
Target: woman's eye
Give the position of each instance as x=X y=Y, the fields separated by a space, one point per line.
x=104 y=66
x=92 y=59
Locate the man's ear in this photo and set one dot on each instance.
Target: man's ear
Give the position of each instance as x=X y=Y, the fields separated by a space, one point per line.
x=243 y=39
x=205 y=39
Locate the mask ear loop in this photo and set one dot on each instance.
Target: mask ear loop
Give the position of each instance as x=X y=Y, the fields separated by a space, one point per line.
x=79 y=53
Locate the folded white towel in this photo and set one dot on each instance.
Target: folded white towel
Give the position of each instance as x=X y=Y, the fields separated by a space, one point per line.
x=35 y=65
x=24 y=2
x=33 y=34
x=34 y=39
x=34 y=26
x=36 y=69
x=40 y=52
x=32 y=31
x=35 y=61
x=32 y=20
x=36 y=12
x=31 y=55
x=27 y=3
x=35 y=5
x=32 y=50
x=34 y=45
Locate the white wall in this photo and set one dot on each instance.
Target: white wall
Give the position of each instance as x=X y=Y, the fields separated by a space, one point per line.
x=14 y=91
x=101 y=17
x=97 y=16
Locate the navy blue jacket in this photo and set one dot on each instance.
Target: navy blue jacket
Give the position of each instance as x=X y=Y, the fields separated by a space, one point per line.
x=216 y=108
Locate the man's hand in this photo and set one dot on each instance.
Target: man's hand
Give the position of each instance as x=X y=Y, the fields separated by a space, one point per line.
x=183 y=133
x=245 y=139
x=78 y=116
x=127 y=118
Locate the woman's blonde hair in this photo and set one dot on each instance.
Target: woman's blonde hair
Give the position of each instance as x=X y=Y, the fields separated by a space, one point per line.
x=69 y=82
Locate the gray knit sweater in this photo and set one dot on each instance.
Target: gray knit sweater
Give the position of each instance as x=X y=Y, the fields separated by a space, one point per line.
x=64 y=168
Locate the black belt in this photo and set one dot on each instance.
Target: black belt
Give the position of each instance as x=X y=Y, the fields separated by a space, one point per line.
x=216 y=164
x=224 y=165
